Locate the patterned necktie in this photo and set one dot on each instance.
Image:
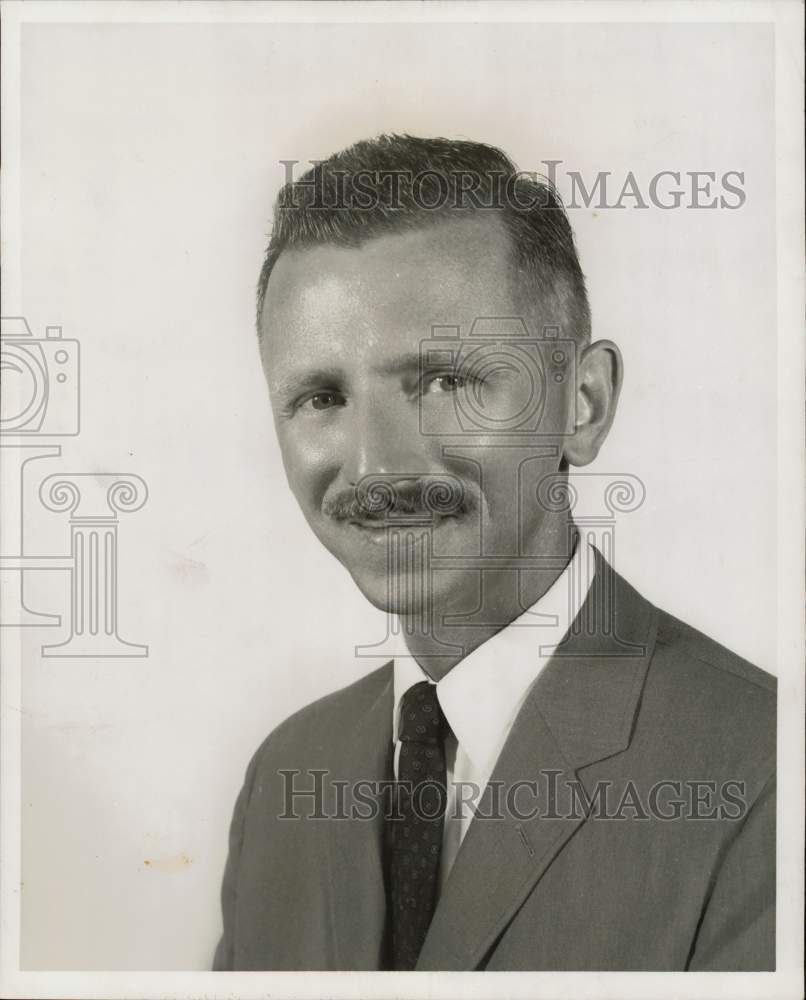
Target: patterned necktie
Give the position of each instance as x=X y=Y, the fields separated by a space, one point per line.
x=416 y=831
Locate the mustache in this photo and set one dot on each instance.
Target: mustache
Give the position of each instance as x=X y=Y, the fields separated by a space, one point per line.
x=384 y=498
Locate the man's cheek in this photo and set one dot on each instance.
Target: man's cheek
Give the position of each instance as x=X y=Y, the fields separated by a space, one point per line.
x=304 y=464
x=309 y=487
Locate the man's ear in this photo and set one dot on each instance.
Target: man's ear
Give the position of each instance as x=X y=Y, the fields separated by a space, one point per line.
x=599 y=375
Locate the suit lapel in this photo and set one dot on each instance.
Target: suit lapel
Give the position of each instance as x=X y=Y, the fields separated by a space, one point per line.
x=581 y=710
x=501 y=857
x=358 y=899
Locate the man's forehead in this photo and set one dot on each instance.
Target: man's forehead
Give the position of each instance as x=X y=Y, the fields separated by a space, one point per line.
x=445 y=259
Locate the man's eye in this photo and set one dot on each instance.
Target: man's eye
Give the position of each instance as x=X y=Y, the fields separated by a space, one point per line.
x=446 y=382
x=324 y=400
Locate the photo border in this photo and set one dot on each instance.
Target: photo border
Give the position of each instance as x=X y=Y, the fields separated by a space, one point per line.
x=787 y=17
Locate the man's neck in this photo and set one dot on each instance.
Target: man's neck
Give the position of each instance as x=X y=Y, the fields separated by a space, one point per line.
x=507 y=594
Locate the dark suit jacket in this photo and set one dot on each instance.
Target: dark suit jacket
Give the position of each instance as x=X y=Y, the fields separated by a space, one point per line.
x=633 y=698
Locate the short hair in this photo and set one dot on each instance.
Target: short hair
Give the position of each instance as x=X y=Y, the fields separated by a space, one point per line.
x=395 y=183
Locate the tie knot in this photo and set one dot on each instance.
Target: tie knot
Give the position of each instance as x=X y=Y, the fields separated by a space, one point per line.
x=421 y=719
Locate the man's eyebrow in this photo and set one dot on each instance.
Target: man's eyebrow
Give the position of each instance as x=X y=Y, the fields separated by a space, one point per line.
x=295 y=382
x=424 y=359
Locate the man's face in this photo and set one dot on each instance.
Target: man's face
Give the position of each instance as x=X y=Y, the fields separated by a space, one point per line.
x=363 y=392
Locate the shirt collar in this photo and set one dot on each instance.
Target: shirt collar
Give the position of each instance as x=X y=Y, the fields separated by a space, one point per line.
x=483 y=693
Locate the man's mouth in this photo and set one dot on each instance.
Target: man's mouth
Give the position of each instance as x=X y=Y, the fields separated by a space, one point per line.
x=378 y=529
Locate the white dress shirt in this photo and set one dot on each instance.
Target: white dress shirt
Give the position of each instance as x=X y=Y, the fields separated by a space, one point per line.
x=482 y=695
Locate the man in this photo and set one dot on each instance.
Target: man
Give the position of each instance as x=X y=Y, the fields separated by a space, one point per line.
x=552 y=773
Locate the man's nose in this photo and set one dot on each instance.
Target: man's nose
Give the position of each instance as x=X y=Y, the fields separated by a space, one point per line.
x=384 y=441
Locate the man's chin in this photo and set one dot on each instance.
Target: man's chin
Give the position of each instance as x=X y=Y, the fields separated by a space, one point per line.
x=400 y=595
x=389 y=595
x=403 y=585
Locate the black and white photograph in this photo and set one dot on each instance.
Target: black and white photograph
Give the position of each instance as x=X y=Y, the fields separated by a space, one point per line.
x=402 y=474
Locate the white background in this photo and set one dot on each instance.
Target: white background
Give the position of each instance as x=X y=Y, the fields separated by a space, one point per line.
x=149 y=163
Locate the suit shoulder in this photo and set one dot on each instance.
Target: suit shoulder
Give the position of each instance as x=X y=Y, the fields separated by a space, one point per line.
x=706 y=710
x=681 y=639
x=721 y=706
x=311 y=728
